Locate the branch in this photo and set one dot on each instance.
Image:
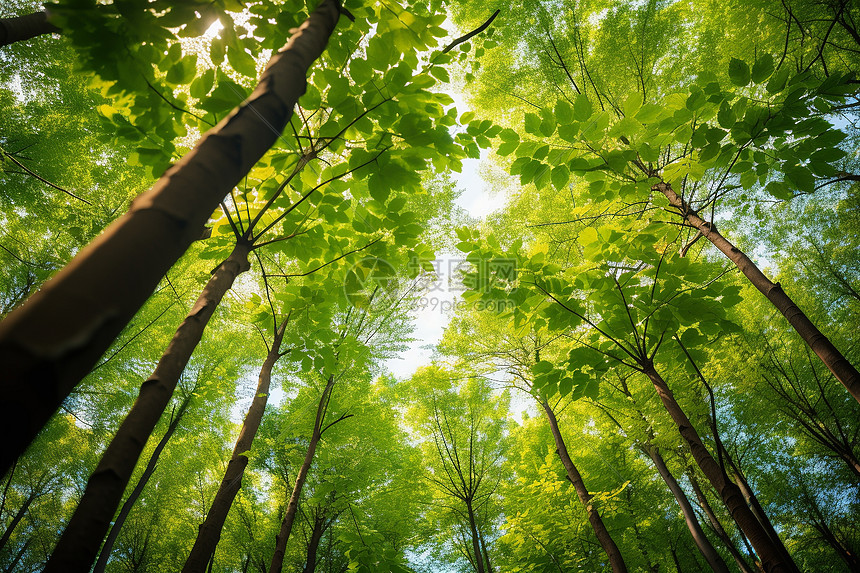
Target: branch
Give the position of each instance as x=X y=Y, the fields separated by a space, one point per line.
x=471 y=34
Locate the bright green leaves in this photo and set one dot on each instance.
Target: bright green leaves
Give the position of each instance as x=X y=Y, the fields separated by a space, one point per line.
x=582 y=108
x=739 y=72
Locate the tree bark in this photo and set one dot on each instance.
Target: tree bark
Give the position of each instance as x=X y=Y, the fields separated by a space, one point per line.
x=718 y=527
x=25 y=27
x=18 y=556
x=843 y=370
x=758 y=511
x=292 y=507
x=79 y=543
x=16 y=520
x=314 y=543
x=476 y=544
x=53 y=340
x=771 y=558
x=616 y=561
x=115 y=529
x=713 y=558
x=210 y=532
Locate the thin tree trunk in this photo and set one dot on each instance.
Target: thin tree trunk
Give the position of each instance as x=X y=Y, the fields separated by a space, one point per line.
x=843 y=370
x=758 y=511
x=210 y=531
x=772 y=559
x=713 y=558
x=115 y=529
x=293 y=506
x=25 y=27
x=79 y=543
x=616 y=561
x=476 y=544
x=486 y=553
x=53 y=340
x=18 y=556
x=313 y=544
x=718 y=527
x=16 y=520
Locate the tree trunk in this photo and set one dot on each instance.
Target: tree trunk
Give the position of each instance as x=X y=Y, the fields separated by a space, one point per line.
x=718 y=527
x=293 y=506
x=18 y=556
x=843 y=370
x=476 y=543
x=138 y=489
x=79 y=543
x=16 y=520
x=702 y=542
x=210 y=532
x=313 y=544
x=25 y=27
x=486 y=553
x=771 y=558
x=758 y=511
x=53 y=340
x=606 y=542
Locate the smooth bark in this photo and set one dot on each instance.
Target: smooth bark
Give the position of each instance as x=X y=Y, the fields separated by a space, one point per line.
x=713 y=558
x=772 y=559
x=25 y=27
x=53 y=340
x=76 y=549
x=718 y=527
x=292 y=507
x=616 y=561
x=843 y=370
x=210 y=531
x=115 y=529
x=476 y=545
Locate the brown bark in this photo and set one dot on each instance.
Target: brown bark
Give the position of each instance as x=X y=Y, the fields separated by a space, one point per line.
x=843 y=370
x=25 y=27
x=53 y=340
x=771 y=558
x=616 y=561
x=210 y=532
x=314 y=543
x=292 y=507
x=713 y=558
x=758 y=511
x=718 y=527
x=79 y=543
x=476 y=545
x=115 y=529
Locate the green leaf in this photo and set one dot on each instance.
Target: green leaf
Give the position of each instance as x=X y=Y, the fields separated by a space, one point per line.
x=560 y=177
x=739 y=72
x=582 y=108
x=762 y=69
x=532 y=123
x=242 y=62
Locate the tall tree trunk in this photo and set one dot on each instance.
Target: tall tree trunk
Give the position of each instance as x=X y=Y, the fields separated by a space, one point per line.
x=53 y=340
x=843 y=370
x=476 y=543
x=16 y=520
x=79 y=543
x=772 y=559
x=616 y=561
x=292 y=507
x=715 y=561
x=115 y=529
x=758 y=510
x=14 y=563
x=486 y=553
x=718 y=527
x=210 y=532
x=25 y=27
x=314 y=543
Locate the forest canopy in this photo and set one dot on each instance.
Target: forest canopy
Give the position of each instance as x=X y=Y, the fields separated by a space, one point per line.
x=431 y=286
